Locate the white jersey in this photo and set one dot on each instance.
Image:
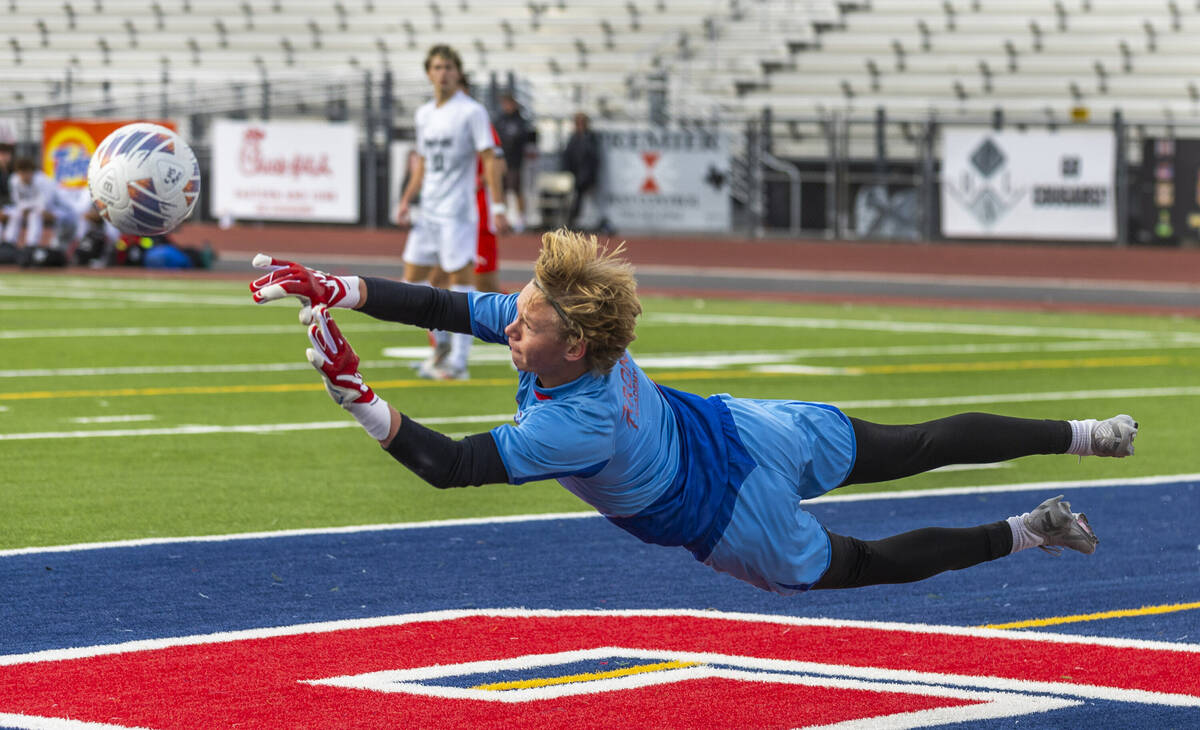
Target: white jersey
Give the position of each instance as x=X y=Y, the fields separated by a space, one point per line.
x=450 y=137
x=39 y=194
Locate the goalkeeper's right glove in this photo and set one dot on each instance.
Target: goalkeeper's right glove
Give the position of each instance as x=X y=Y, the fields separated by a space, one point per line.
x=333 y=357
x=311 y=287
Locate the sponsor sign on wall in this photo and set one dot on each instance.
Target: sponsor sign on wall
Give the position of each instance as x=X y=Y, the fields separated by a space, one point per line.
x=1038 y=184
x=68 y=144
x=292 y=171
x=664 y=180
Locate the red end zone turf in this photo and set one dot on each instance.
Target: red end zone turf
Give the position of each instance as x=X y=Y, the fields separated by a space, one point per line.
x=737 y=671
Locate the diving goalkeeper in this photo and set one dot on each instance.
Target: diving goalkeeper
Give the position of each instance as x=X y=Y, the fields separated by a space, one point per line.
x=721 y=476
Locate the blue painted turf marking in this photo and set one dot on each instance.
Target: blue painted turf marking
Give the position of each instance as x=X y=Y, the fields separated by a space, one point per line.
x=1147 y=556
x=505 y=519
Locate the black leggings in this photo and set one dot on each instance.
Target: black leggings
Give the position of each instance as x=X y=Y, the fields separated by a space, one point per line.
x=892 y=452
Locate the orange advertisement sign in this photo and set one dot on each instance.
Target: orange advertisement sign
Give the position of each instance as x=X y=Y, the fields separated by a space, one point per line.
x=68 y=144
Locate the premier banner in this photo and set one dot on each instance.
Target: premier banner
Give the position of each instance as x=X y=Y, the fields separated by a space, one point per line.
x=664 y=180
x=291 y=171
x=1039 y=184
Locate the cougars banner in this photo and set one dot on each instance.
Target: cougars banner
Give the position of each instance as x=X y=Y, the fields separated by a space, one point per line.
x=293 y=171
x=68 y=144
x=1028 y=184
x=664 y=180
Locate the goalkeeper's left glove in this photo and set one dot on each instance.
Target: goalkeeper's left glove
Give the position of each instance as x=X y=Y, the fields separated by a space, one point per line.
x=311 y=287
x=333 y=357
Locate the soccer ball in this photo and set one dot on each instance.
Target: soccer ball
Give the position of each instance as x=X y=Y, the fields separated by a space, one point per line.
x=144 y=179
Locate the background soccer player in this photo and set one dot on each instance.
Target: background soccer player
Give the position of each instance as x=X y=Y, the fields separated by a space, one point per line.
x=452 y=128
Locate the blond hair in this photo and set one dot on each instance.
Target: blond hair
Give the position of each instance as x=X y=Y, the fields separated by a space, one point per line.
x=593 y=291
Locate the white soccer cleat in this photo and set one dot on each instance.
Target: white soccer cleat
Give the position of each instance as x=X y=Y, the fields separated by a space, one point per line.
x=1114 y=436
x=1059 y=527
x=442 y=372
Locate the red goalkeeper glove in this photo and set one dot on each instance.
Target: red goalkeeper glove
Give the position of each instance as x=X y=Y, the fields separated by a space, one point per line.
x=311 y=287
x=333 y=357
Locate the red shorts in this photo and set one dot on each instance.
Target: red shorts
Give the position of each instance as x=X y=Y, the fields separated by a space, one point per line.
x=485 y=255
x=485 y=252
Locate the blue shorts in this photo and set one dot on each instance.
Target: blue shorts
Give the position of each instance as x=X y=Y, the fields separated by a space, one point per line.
x=802 y=450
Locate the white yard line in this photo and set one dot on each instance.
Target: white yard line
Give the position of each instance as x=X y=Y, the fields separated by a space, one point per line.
x=198 y=331
x=949 y=328
x=1017 y=282
x=1073 y=333
x=260 y=428
x=115 y=419
x=484 y=355
x=1060 y=395
x=481 y=352
x=267 y=428
x=158 y=297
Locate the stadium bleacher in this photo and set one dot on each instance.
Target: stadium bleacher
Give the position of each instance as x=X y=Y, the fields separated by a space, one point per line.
x=823 y=68
x=910 y=56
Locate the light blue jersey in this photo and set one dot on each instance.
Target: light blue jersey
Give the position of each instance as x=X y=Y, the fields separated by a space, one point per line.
x=720 y=476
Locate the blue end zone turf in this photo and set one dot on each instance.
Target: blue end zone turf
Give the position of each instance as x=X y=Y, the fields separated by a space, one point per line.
x=1148 y=555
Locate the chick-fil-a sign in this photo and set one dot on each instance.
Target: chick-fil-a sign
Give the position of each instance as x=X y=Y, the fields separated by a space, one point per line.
x=298 y=171
x=256 y=161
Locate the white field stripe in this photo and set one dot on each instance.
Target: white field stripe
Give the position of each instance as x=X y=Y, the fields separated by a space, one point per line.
x=131 y=283
x=260 y=428
x=263 y=428
x=1006 y=488
x=480 y=352
x=208 y=331
x=1074 y=333
x=454 y=614
x=29 y=722
x=1062 y=395
x=483 y=352
x=169 y=298
x=484 y=356
x=507 y=519
x=73 y=306
x=1022 y=282
x=115 y=419
x=301 y=532
x=973 y=467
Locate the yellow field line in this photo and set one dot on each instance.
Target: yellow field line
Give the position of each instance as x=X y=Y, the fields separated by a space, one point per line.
x=667 y=375
x=225 y=389
x=587 y=677
x=1120 y=613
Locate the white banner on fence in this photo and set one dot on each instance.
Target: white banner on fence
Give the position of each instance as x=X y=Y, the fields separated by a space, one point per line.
x=291 y=171
x=8 y=130
x=664 y=180
x=1037 y=184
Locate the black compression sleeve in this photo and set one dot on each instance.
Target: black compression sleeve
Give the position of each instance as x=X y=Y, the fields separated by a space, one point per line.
x=424 y=306
x=444 y=462
x=912 y=556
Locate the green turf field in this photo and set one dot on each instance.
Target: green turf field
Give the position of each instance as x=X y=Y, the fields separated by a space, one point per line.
x=146 y=408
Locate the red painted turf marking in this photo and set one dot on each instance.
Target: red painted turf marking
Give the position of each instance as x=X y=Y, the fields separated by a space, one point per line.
x=261 y=682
